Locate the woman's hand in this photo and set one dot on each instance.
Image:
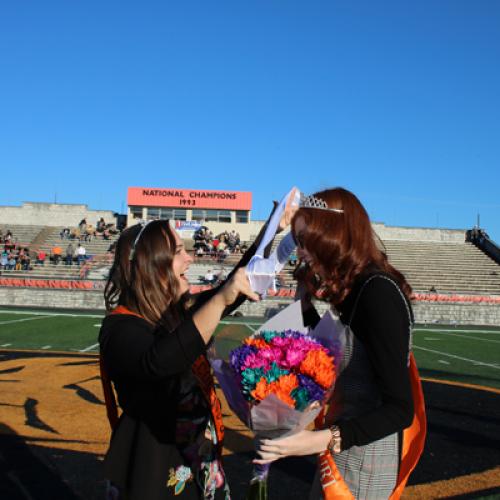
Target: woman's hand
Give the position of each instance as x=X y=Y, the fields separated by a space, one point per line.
x=303 y=443
x=236 y=285
x=208 y=316
x=289 y=212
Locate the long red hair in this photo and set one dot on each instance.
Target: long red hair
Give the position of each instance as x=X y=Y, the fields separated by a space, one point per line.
x=343 y=246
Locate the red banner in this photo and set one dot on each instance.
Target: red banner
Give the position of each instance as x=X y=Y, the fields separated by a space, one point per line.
x=189 y=198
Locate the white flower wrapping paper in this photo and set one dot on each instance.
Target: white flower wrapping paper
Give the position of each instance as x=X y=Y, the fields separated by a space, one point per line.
x=272 y=417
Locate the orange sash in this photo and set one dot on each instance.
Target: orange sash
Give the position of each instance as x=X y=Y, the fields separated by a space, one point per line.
x=332 y=483
x=201 y=370
x=413 y=436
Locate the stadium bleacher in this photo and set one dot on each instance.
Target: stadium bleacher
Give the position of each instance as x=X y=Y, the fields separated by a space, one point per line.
x=430 y=266
x=45 y=238
x=440 y=267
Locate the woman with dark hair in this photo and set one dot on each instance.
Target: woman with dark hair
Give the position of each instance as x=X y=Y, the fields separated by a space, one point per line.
x=168 y=440
x=342 y=263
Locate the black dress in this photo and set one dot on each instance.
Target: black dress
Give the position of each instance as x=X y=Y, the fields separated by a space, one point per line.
x=165 y=444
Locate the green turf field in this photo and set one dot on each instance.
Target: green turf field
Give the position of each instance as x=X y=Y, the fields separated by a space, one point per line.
x=463 y=354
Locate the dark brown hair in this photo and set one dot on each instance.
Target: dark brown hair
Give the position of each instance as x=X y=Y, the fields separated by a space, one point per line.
x=343 y=246
x=142 y=278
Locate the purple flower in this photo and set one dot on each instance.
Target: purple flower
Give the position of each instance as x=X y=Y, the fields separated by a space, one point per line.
x=316 y=393
x=239 y=355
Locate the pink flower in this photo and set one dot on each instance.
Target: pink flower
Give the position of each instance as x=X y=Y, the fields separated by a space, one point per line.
x=255 y=361
x=294 y=358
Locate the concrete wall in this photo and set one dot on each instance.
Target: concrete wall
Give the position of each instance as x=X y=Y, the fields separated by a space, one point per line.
x=52 y=214
x=58 y=214
x=418 y=233
x=51 y=298
x=425 y=312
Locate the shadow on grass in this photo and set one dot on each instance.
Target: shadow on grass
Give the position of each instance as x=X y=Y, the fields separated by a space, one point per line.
x=41 y=473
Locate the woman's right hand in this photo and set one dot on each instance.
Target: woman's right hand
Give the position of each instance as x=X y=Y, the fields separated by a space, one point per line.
x=236 y=285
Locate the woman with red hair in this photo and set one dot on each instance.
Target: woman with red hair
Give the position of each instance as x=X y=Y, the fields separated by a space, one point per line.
x=342 y=262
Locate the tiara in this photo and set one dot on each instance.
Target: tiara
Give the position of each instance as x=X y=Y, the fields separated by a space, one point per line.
x=313 y=202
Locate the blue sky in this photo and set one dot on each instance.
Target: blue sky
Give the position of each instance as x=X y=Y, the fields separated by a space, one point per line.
x=398 y=101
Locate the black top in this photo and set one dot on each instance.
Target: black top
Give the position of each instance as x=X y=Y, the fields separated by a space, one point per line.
x=146 y=365
x=381 y=323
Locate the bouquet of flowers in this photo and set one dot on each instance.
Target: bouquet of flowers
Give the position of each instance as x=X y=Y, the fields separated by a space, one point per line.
x=278 y=380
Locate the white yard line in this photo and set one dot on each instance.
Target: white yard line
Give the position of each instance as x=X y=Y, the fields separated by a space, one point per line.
x=23 y=319
x=225 y=322
x=250 y=328
x=46 y=347
x=480 y=363
x=442 y=361
x=467 y=337
x=455 y=330
x=89 y=348
x=5 y=345
x=49 y=314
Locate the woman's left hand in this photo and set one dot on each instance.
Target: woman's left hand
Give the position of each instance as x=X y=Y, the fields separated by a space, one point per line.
x=303 y=443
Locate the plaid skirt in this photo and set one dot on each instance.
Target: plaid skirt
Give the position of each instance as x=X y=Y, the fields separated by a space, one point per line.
x=369 y=471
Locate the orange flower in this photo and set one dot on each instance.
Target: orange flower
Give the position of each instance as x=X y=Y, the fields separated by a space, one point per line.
x=319 y=366
x=287 y=383
x=258 y=343
x=285 y=397
x=262 y=389
x=281 y=388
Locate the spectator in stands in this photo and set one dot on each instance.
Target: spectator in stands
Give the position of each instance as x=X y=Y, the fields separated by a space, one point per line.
x=153 y=346
x=221 y=250
x=112 y=229
x=80 y=254
x=40 y=257
x=199 y=252
x=89 y=232
x=56 y=254
x=221 y=275
x=12 y=262
x=209 y=277
x=233 y=240
x=25 y=261
x=432 y=289
x=65 y=233
x=9 y=243
x=4 y=259
x=82 y=225
x=70 y=252
x=342 y=265
x=101 y=225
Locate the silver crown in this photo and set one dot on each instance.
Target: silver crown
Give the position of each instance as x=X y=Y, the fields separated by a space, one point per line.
x=313 y=202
